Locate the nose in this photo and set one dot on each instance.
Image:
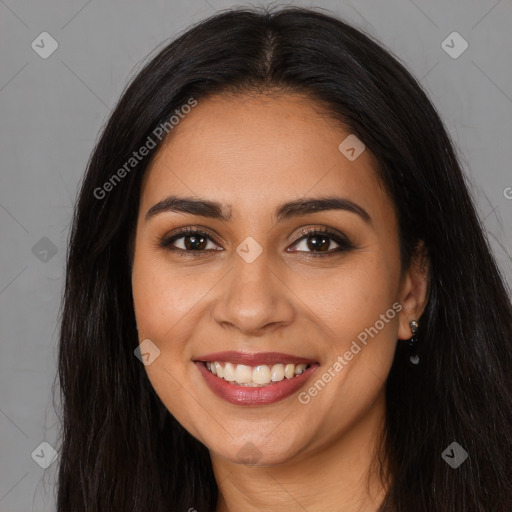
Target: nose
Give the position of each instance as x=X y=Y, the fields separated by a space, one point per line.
x=253 y=298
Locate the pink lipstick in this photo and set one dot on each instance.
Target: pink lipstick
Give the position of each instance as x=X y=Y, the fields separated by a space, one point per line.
x=254 y=379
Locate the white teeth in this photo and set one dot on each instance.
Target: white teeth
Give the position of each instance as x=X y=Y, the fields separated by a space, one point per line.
x=289 y=371
x=243 y=374
x=300 y=368
x=219 y=370
x=229 y=372
x=261 y=374
x=277 y=372
x=257 y=376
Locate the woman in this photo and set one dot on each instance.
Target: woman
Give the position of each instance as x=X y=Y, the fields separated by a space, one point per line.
x=278 y=291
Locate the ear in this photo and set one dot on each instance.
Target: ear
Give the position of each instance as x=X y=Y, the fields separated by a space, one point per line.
x=413 y=291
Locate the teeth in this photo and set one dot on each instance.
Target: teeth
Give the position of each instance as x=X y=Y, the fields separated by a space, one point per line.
x=229 y=372
x=219 y=370
x=300 y=368
x=277 y=372
x=256 y=376
x=243 y=374
x=289 y=371
x=261 y=374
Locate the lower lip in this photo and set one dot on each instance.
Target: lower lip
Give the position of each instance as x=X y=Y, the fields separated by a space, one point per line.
x=244 y=395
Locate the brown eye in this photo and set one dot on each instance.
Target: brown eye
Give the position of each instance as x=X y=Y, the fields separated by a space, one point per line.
x=189 y=240
x=195 y=242
x=322 y=242
x=317 y=243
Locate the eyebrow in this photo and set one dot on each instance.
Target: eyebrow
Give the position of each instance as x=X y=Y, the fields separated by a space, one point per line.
x=296 y=208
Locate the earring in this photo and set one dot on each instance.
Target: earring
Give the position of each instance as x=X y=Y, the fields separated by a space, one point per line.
x=414 y=358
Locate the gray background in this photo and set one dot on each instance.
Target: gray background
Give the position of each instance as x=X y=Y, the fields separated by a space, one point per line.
x=52 y=110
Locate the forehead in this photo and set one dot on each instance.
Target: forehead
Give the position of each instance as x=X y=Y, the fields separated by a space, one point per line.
x=250 y=151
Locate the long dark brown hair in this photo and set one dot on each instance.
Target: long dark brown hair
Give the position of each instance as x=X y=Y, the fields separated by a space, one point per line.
x=121 y=450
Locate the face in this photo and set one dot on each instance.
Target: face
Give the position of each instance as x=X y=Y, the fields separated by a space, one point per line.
x=302 y=306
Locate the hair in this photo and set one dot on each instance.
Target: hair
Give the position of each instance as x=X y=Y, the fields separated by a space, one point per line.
x=121 y=449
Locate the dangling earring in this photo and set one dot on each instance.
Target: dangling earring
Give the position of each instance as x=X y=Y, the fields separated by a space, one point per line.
x=414 y=358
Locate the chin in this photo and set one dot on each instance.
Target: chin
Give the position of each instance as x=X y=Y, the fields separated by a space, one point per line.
x=257 y=451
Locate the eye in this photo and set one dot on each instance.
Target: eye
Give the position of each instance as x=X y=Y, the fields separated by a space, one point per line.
x=319 y=242
x=190 y=240
x=314 y=241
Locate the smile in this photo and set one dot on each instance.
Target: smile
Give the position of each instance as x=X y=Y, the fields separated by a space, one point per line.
x=254 y=379
x=255 y=376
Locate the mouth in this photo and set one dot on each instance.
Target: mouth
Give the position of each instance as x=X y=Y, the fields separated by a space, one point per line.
x=255 y=376
x=254 y=379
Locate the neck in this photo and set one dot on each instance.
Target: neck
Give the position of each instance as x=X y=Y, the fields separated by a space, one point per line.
x=339 y=477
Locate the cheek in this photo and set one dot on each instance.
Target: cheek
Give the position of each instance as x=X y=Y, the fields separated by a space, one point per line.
x=162 y=295
x=164 y=301
x=351 y=297
x=358 y=314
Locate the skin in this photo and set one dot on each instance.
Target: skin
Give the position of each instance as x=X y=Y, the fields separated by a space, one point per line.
x=252 y=154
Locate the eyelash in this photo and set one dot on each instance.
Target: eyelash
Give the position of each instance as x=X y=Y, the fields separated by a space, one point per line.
x=343 y=242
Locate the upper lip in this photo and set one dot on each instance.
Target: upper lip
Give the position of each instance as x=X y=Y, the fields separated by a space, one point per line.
x=254 y=359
